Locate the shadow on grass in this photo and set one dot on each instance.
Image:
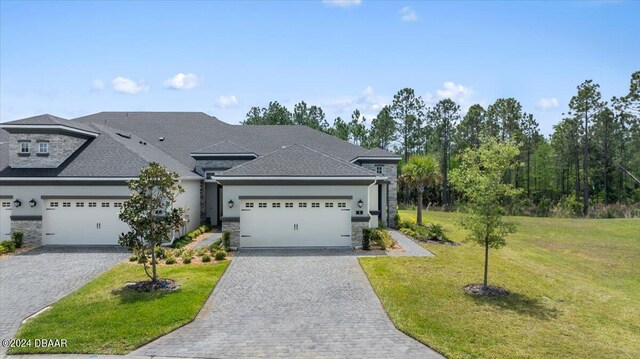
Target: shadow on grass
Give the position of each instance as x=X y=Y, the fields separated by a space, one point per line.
x=128 y=295
x=518 y=303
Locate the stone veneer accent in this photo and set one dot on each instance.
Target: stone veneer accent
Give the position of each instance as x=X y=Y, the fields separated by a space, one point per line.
x=213 y=165
x=391 y=171
x=203 y=202
x=32 y=229
x=234 y=229
x=357 y=233
x=60 y=148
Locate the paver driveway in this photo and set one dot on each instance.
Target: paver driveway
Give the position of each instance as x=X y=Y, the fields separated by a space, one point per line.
x=36 y=279
x=291 y=303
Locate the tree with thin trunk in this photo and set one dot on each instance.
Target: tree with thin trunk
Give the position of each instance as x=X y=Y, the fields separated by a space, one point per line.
x=150 y=213
x=420 y=172
x=479 y=178
x=585 y=105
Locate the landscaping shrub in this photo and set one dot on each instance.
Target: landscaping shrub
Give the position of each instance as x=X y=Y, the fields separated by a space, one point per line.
x=382 y=238
x=17 y=239
x=366 y=238
x=186 y=260
x=226 y=240
x=9 y=246
x=206 y=259
x=142 y=259
x=170 y=260
x=436 y=233
x=220 y=255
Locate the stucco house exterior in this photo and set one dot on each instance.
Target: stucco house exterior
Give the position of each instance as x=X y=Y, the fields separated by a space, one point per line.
x=62 y=181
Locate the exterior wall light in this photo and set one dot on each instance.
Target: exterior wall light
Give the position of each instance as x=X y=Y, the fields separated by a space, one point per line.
x=360 y=204
x=230 y=204
x=17 y=203
x=32 y=203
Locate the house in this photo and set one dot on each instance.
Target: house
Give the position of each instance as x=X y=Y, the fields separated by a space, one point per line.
x=62 y=182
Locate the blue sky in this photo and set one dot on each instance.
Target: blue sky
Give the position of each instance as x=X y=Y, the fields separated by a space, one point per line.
x=75 y=58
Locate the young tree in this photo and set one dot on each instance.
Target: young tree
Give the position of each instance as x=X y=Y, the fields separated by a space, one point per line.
x=585 y=105
x=419 y=172
x=383 y=129
x=479 y=179
x=149 y=213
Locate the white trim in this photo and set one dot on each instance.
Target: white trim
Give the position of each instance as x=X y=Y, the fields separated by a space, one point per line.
x=302 y=178
x=375 y=158
x=242 y=154
x=88 y=179
x=57 y=127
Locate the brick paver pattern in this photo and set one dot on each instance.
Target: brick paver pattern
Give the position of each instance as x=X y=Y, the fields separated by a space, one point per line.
x=36 y=279
x=291 y=303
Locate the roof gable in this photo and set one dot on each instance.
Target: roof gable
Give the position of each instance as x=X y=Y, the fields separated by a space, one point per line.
x=297 y=161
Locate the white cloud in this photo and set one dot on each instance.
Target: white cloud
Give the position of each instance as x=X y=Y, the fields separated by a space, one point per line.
x=460 y=94
x=226 y=101
x=546 y=104
x=407 y=14
x=182 y=81
x=342 y=3
x=97 y=85
x=128 y=86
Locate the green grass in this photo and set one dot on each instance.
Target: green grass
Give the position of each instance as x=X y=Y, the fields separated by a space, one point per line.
x=575 y=291
x=104 y=318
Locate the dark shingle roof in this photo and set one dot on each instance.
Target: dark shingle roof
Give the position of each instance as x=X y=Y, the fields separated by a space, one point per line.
x=297 y=161
x=184 y=133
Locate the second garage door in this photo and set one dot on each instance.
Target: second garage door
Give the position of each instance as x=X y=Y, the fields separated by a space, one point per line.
x=295 y=223
x=82 y=221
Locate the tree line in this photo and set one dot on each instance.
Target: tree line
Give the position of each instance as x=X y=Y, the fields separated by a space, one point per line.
x=591 y=159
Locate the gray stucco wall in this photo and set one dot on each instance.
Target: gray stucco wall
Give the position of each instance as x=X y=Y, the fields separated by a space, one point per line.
x=60 y=148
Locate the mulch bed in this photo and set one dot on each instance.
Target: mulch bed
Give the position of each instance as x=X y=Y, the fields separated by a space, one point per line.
x=148 y=286
x=481 y=290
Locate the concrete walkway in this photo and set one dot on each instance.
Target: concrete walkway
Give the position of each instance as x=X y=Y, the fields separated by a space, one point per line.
x=291 y=303
x=411 y=248
x=208 y=241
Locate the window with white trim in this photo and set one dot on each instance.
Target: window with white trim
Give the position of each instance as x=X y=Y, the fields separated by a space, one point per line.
x=43 y=147
x=24 y=147
x=380 y=170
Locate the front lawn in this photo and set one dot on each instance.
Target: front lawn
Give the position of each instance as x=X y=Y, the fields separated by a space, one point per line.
x=104 y=318
x=575 y=291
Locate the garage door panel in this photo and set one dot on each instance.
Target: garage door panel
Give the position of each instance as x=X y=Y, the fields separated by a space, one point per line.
x=295 y=223
x=82 y=222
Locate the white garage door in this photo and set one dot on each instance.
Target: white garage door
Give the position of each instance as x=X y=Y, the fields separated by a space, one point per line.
x=82 y=221
x=5 y=220
x=295 y=223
